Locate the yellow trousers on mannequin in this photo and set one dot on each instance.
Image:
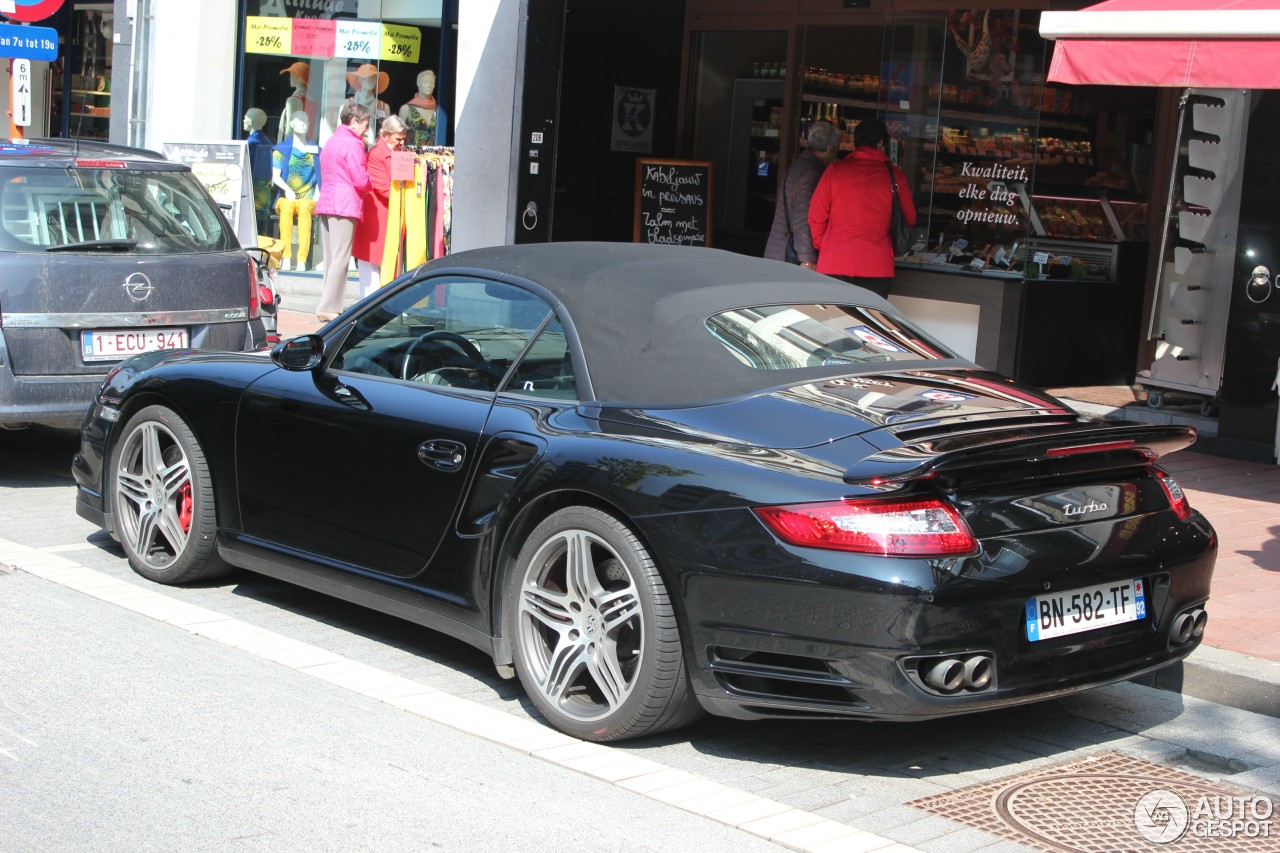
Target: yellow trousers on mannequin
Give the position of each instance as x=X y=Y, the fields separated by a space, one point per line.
x=302 y=209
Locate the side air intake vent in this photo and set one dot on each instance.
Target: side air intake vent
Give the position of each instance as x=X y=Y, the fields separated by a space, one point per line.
x=788 y=678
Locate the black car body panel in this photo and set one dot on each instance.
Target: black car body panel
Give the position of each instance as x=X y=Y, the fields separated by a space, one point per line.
x=416 y=499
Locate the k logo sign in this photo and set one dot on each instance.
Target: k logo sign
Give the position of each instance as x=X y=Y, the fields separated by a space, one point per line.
x=634 y=112
x=633 y=120
x=29 y=10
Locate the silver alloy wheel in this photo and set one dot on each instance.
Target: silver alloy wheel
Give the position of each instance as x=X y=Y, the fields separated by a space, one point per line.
x=581 y=625
x=153 y=494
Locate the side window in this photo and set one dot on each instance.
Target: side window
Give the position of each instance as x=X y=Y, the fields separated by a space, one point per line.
x=546 y=369
x=457 y=332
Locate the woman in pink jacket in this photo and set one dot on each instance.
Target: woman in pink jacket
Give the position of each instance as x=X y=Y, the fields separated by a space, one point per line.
x=344 y=180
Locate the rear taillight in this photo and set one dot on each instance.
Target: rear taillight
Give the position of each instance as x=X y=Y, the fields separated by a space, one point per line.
x=1177 y=498
x=896 y=527
x=254 y=305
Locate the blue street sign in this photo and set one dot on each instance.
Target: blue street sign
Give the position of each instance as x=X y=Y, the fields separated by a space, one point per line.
x=18 y=42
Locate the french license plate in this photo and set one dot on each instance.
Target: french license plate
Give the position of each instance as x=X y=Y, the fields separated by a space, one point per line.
x=121 y=343
x=1086 y=609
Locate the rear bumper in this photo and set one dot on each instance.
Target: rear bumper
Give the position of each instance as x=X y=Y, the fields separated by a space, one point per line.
x=63 y=400
x=882 y=684
x=55 y=401
x=798 y=632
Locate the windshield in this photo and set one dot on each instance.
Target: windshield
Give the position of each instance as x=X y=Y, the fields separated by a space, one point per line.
x=108 y=210
x=786 y=337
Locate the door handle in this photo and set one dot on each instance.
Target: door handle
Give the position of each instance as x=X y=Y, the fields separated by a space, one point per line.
x=442 y=454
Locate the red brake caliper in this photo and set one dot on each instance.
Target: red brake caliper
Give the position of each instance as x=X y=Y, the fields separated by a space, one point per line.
x=184 y=508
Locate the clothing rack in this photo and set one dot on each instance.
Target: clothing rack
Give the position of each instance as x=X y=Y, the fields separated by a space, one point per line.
x=420 y=222
x=433 y=150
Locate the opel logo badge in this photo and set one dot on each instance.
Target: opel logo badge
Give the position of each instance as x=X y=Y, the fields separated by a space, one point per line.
x=138 y=286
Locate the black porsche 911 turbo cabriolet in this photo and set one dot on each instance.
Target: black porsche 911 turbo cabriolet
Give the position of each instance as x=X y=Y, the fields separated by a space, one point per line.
x=655 y=481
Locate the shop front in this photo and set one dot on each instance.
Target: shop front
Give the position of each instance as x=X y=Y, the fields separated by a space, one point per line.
x=301 y=62
x=1215 y=318
x=1031 y=244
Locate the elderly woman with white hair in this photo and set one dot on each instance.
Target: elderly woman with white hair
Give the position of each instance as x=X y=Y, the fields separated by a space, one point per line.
x=790 y=239
x=371 y=233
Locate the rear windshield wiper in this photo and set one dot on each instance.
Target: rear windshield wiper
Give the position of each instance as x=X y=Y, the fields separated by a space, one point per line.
x=95 y=245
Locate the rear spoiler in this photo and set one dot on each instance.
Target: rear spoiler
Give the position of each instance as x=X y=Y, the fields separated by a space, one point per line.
x=1091 y=444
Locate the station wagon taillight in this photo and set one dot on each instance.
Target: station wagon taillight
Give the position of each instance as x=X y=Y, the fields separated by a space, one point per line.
x=255 y=305
x=894 y=527
x=100 y=164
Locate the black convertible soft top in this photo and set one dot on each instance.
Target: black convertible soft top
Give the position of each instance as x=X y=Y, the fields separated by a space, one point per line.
x=640 y=312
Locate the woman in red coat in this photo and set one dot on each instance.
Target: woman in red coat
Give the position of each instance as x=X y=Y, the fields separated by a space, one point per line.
x=851 y=208
x=371 y=233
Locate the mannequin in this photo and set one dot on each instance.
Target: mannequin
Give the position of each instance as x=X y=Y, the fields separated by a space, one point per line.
x=259 y=163
x=299 y=101
x=368 y=82
x=295 y=171
x=423 y=116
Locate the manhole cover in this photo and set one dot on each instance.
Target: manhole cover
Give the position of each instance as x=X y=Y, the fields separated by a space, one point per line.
x=1113 y=803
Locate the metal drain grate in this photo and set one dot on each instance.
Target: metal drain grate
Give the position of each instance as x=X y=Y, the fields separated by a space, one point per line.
x=1097 y=805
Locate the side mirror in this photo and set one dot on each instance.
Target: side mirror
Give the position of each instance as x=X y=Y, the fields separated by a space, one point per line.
x=301 y=353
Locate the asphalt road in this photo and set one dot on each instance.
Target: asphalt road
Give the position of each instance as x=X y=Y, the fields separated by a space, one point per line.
x=134 y=716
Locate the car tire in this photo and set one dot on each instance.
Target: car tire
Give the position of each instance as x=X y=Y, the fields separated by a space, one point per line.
x=162 y=499
x=598 y=649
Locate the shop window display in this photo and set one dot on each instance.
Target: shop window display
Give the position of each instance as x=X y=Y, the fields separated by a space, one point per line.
x=300 y=72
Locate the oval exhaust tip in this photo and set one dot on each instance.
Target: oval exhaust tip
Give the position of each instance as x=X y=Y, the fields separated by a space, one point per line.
x=1199 y=619
x=946 y=675
x=977 y=672
x=1180 y=631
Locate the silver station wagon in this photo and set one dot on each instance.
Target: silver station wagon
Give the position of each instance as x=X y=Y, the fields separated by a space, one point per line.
x=107 y=252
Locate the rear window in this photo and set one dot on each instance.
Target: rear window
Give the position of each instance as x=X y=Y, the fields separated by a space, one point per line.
x=148 y=212
x=786 y=337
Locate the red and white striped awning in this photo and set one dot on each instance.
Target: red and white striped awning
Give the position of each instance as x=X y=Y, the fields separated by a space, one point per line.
x=1210 y=44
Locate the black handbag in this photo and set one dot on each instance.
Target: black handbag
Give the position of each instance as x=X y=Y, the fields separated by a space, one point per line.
x=899 y=231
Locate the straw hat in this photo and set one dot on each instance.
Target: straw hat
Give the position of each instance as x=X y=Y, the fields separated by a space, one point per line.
x=302 y=69
x=368 y=70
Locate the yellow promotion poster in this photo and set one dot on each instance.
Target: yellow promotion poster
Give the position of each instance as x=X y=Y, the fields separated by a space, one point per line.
x=400 y=43
x=268 y=35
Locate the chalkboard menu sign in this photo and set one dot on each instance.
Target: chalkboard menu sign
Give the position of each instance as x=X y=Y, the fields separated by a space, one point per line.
x=673 y=202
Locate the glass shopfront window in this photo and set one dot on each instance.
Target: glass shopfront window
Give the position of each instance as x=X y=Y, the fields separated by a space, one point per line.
x=303 y=61
x=1012 y=178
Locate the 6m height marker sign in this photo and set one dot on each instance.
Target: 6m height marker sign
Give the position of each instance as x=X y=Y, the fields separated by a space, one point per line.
x=20 y=92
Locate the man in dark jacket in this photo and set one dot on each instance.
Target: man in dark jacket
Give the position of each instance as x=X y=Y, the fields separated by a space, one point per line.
x=794 y=191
